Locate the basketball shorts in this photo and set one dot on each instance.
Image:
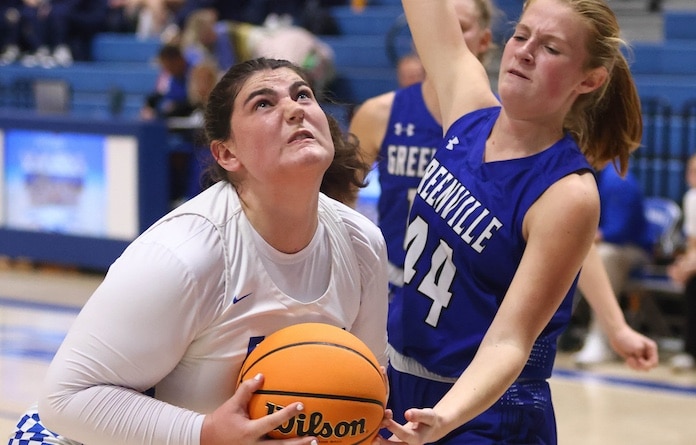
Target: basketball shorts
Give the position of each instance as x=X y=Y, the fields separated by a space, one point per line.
x=523 y=415
x=30 y=431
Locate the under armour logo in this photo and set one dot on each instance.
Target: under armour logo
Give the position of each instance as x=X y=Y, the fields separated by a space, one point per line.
x=452 y=142
x=399 y=128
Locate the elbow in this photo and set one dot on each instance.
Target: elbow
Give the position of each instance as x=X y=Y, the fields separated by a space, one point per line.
x=49 y=415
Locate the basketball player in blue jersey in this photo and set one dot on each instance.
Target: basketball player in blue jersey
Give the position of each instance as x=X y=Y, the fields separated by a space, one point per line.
x=503 y=219
x=400 y=130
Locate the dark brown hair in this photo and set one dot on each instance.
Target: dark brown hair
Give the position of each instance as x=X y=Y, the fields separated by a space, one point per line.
x=341 y=178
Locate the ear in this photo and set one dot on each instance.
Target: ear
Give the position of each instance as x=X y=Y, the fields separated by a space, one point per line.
x=595 y=78
x=485 y=42
x=225 y=155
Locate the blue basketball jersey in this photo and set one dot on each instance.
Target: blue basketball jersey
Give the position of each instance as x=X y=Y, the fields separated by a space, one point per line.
x=410 y=142
x=465 y=243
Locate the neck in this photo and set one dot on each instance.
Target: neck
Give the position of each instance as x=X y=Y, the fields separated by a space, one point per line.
x=512 y=139
x=286 y=221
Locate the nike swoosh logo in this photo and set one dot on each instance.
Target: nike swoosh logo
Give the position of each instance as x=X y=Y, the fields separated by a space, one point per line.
x=237 y=299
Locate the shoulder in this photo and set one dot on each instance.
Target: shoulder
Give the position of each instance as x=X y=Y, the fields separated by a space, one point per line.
x=363 y=234
x=190 y=239
x=370 y=121
x=195 y=232
x=569 y=205
x=378 y=107
x=575 y=194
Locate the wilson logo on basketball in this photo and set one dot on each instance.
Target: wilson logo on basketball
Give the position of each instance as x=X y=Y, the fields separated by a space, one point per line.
x=313 y=424
x=343 y=405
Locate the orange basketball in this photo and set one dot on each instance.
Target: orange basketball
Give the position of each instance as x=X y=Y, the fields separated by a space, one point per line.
x=331 y=371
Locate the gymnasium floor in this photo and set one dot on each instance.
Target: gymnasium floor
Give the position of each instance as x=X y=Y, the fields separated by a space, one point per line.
x=610 y=405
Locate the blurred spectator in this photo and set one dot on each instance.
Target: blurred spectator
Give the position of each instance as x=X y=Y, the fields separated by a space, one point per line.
x=227 y=42
x=57 y=31
x=32 y=38
x=84 y=21
x=683 y=271
x=409 y=70
x=316 y=18
x=206 y=38
x=10 y=31
x=122 y=16
x=170 y=97
x=155 y=18
x=276 y=39
x=313 y=15
x=192 y=163
x=247 y=11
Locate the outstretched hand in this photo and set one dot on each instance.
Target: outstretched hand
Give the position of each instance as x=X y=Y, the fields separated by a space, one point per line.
x=230 y=423
x=423 y=427
x=639 y=351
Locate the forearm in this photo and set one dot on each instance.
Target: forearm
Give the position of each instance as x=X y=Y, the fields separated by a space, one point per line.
x=117 y=415
x=115 y=351
x=596 y=288
x=494 y=368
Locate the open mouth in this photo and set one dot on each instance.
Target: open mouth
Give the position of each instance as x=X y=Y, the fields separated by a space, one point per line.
x=518 y=74
x=301 y=135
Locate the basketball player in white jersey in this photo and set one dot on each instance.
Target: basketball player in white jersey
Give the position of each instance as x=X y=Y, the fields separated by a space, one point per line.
x=259 y=250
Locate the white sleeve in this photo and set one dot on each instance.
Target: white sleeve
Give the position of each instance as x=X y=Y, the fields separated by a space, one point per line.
x=131 y=333
x=370 y=248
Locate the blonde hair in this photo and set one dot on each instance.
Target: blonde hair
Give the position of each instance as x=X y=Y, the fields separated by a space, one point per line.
x=607 y=123
x=489 y=14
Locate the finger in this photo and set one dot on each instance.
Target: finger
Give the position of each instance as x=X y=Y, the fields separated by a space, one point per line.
x=271 y=421
x=247 y=388
x=400 y=433
x=633 y=363
x=416 y=416
x=640 y=363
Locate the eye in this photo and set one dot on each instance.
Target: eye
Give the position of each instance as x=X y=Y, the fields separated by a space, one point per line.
x=552 y=50
x=262 y=103
x=304 y=93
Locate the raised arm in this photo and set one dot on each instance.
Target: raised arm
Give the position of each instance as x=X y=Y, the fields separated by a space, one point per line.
x=459 y=77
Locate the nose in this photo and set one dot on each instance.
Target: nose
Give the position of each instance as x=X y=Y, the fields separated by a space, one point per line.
x=294 y=112
x=525 y=52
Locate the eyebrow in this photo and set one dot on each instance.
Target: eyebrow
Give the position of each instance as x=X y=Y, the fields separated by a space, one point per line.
x=543 y=36
x=269 y=91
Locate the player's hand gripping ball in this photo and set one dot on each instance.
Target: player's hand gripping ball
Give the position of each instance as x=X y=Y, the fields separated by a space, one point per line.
x=331 y=371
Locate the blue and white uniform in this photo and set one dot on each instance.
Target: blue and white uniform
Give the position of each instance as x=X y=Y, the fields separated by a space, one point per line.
x=182 y=307
x=465 y=243
x=409 y=143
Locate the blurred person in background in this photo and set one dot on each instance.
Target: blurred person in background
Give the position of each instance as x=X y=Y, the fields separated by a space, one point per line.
x=683 y=271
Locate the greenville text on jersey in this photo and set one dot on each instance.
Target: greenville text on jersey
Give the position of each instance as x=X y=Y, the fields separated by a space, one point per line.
x=410 y=161
x=457 y=206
